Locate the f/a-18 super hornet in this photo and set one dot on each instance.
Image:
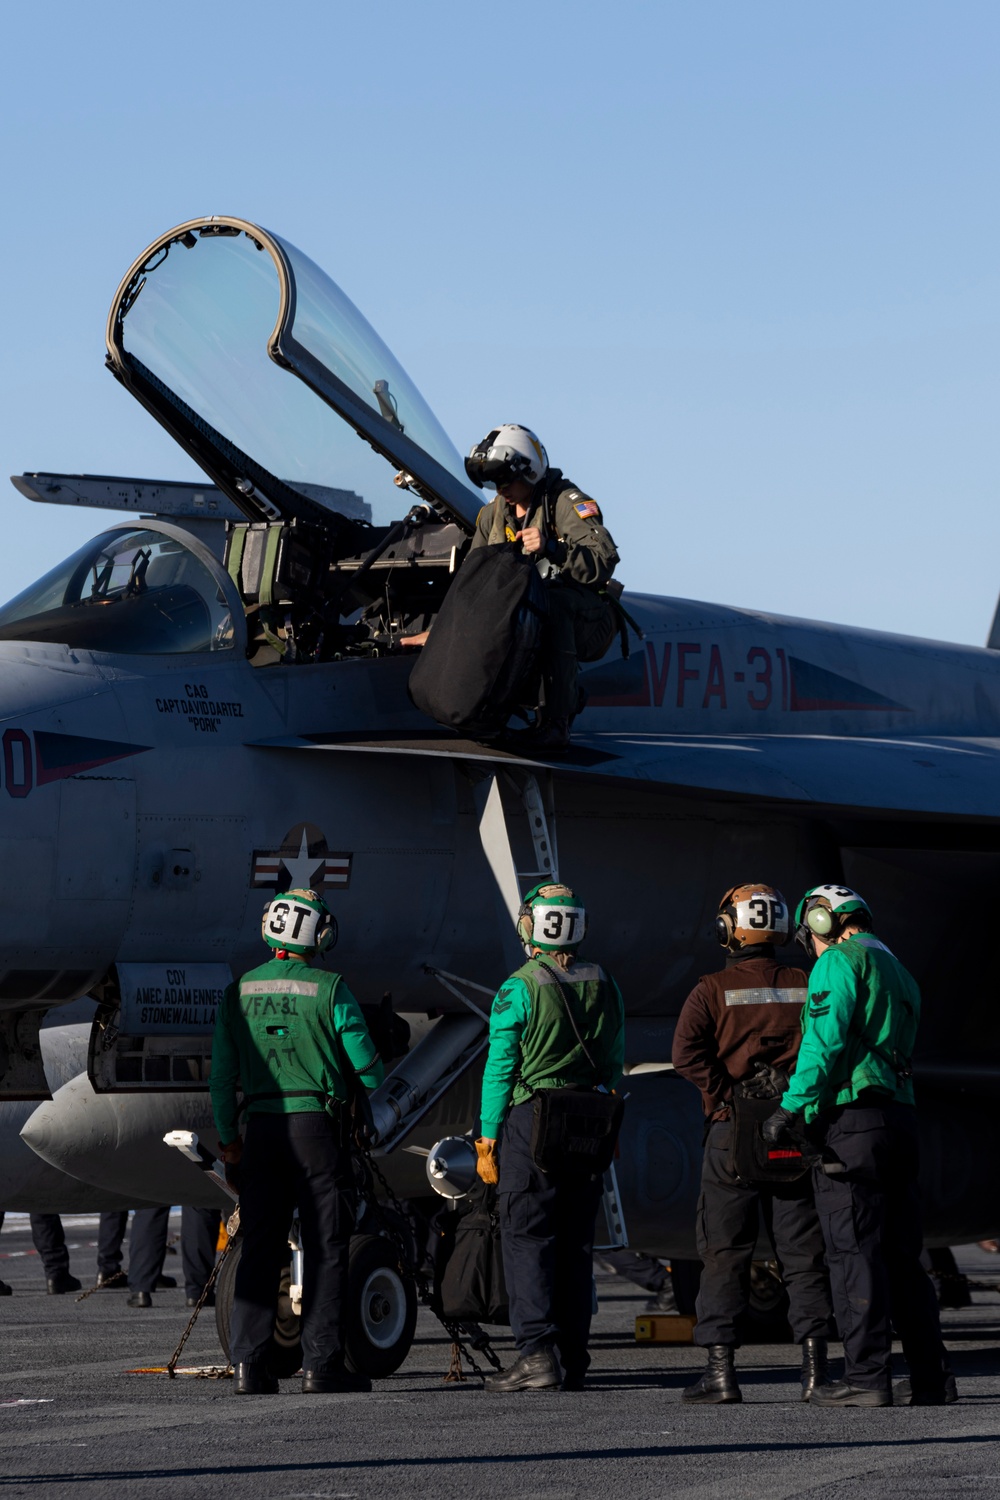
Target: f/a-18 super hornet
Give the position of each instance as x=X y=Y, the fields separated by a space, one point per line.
x=207 y=703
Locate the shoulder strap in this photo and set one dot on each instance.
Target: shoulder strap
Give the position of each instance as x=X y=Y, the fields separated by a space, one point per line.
x=569 y=1010
x=552 y=484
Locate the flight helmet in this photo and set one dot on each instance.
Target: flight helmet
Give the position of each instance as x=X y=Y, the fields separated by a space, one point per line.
x=299 y=922
x=826 y=910
x=751 y=914
x=551 y=918
x=508 y=452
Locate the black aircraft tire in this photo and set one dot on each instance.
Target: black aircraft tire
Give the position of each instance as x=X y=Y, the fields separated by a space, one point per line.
x=285 y=1356
x=381 y=1310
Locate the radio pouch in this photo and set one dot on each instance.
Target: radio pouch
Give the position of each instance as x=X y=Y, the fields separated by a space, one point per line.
x=754 y=1161
x=574 y=1131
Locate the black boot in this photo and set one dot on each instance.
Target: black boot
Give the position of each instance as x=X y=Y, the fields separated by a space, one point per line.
x=939 y=1392
x=252 y=1378
x=529 y=1372
x=547 y=737
x=333 y=1382
x=718 y=1384
x=62 y=1282
x=815 y=1370
x=840 y=1393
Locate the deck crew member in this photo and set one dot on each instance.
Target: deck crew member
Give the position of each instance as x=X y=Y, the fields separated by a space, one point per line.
x=852 y=1082
x=738 y=1034
x=290 y=1034
x=557 y=1024
x=563 y=529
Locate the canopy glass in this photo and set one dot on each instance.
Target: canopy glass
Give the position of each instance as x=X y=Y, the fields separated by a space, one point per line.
x=205 y=318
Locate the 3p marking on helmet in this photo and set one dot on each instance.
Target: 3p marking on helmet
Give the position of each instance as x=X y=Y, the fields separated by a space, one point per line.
x=751 y=914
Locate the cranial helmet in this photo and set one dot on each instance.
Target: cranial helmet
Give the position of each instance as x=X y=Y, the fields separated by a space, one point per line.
x=551 y=918
x=826 y=910
x=751 y=914
x=299 y=922
x=508 y=452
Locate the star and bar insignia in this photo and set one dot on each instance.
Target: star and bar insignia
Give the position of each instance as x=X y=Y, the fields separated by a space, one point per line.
x=302 y=861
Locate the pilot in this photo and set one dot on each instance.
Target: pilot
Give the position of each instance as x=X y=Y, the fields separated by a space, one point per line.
x=563 y=528
x=738 y=1034
x=290 y=1034
x=557 y=1023
x=852 y=1084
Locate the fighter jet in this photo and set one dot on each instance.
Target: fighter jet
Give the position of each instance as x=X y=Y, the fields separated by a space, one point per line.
x=207 y=703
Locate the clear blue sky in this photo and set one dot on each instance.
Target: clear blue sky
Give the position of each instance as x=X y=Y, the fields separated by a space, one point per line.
x=736 y=263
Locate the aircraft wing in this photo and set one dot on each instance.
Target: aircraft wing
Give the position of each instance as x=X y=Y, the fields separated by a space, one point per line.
x=932 y=775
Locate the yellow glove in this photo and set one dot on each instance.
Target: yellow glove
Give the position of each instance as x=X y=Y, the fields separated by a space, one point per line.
x=486 y=1164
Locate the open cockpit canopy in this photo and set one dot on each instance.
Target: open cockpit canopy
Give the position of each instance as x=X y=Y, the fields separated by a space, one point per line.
x=266 y=374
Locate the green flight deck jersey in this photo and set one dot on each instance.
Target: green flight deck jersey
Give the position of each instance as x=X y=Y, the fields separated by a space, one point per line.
x=286 y=1031
x=859 y=1026
x=532 y=1041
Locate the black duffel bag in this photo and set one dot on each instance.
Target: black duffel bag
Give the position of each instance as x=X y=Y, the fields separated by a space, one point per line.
x=484 y=647
x=471 y=1286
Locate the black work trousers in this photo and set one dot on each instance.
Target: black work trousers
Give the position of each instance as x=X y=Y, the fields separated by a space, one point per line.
x=872 y=1226
x=199 y=1238
x=49 y=1240
x=294 y=1161
x=110 y=1234
x=147 y=1248
x=729 y=1215
x=547 y=1233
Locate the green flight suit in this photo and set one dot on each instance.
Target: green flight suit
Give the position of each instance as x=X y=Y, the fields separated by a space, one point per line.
x=577 y=565
x=533 y=1044
x=858 y=1026
x=284 y=1033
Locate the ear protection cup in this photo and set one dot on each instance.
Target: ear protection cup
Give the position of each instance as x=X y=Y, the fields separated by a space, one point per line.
x=821 y=921
x=525 y=923
x=724 y=928
x=327 y=933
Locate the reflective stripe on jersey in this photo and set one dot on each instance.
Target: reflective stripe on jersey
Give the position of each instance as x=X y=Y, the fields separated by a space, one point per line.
x=766 y=997
x=278 y=987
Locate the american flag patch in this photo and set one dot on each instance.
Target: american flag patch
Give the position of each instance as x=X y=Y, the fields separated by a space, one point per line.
x=587 y=508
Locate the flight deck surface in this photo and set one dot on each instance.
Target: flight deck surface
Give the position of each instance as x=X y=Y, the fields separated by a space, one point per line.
x=91 y=1429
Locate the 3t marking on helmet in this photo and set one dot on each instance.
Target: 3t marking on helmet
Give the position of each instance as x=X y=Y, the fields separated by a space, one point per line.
x=278 y=920
x=556 y=924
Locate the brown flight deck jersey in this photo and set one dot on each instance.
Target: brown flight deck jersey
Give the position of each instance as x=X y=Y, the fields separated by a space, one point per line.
x=749 y=1012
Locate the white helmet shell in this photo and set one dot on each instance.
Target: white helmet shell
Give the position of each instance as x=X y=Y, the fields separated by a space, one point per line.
x=508 y=452
x=300 y=922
